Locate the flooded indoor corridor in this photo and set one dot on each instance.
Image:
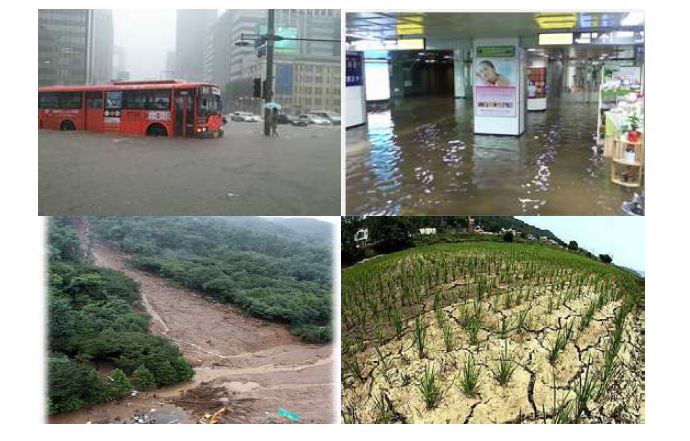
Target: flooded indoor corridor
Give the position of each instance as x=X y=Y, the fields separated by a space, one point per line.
x=420 y=156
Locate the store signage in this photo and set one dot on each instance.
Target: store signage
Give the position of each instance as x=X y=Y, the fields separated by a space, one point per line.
x=555 y=39
x=617 y=37
x=495 y=101
x=496 y=51
x=353 y=70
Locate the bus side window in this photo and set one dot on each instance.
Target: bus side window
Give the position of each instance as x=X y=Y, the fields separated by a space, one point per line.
x=134 y=99
x=158 y=100
x=69 y=100
x=94 y=100
x=47 y=100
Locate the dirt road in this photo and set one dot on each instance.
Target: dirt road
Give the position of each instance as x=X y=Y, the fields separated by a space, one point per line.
x=251 y=366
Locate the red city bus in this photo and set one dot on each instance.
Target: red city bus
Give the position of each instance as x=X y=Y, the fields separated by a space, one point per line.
x=152 y=108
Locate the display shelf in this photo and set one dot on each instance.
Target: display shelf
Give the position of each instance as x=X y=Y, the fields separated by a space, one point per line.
x=624 y=171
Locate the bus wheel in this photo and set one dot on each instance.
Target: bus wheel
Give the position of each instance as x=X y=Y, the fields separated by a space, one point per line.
x=156 y=130
x=67 y=125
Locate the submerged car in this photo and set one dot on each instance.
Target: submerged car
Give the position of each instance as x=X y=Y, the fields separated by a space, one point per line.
x=313 y=119
x=333 y=117
x=286 y=118
x=245 y=117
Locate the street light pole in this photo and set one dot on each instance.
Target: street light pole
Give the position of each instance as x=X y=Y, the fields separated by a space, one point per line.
x=268 y=85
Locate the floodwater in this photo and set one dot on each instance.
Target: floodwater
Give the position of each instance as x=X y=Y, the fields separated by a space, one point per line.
x=244 y=173
x=419 y=156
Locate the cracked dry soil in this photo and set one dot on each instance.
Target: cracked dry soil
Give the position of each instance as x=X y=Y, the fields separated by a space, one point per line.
x=528 y=396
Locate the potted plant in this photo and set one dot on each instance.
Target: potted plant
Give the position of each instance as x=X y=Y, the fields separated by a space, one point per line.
x=633 y=123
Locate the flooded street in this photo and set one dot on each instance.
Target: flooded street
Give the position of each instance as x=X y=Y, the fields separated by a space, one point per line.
x=421 y=157
x=244 y=173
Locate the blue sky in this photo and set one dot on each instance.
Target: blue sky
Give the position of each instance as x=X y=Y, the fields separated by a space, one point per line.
x=622 y=237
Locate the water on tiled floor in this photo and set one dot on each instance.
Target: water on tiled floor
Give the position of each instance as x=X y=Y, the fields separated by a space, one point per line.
x=420 y=156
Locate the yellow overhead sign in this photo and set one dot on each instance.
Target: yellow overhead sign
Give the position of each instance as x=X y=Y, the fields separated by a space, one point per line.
x=555 y=39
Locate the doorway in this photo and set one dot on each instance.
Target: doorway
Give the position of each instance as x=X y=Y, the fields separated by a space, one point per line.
x=183 y=124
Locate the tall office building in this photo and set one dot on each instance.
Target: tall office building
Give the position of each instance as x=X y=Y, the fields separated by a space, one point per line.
x=192 y=25
x=169 y=72
x=307 y=73
x=101 y=44
x=120 y=71
x=75 y=46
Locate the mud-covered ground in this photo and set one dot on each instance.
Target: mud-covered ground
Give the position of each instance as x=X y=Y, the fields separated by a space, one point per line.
x=244 y=173
x=250 y=366
x=390 y=378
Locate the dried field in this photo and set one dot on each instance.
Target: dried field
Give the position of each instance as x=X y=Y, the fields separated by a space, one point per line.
x=491 y=333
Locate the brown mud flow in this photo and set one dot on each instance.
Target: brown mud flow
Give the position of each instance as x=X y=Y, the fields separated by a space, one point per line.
x=420 y=156
x=251 y=366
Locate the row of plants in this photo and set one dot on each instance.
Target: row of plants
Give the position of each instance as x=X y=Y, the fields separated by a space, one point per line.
x=473 y=298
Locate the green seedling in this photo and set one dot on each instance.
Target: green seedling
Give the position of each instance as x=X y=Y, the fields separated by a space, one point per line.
x=431 y=391
x=469 y=379
x=506 y=366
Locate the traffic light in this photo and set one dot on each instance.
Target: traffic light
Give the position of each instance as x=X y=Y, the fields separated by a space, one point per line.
x=257 y=88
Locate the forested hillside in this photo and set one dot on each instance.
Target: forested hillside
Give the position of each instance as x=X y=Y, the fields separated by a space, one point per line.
x=95 y=320
x=269 y=269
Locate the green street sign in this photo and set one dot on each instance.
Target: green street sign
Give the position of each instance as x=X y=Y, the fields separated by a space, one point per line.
x=496 y=51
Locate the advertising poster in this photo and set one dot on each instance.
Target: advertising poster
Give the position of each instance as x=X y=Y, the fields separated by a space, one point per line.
x=495 y=82
x=536 y=82
x=284 y=75
x=495 y=72
x=495 y=101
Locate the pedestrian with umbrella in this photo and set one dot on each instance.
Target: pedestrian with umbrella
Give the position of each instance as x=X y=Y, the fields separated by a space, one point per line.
x=273 y=107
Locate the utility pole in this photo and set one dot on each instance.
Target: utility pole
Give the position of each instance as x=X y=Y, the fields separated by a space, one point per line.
x=268 y=85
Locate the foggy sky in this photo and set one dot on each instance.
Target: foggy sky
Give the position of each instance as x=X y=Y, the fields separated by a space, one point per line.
x=146 y=36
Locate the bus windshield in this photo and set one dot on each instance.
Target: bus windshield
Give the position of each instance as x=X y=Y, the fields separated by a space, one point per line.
x=209 y=103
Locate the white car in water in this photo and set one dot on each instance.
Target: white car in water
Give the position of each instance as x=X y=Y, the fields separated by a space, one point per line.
x=333 y=117
x=245 y=117
x=312 y=119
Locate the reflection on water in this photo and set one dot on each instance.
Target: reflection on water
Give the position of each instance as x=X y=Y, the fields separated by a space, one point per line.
x=421 y=157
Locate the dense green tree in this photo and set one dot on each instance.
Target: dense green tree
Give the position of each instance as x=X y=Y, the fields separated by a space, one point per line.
x=605 y=258
x=573 y=246
x=390 y=233
x=508 y=236
x=91 y=319
x=62 y=323
x=63 y=240
x=71 y=386
x=120 y=385
x=143 y=378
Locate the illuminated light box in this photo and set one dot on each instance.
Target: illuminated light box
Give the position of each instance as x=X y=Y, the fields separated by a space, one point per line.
x=555 y=39
x=409 y=29
x=411 y=44
x=390 y=45
x=555 y=20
